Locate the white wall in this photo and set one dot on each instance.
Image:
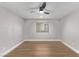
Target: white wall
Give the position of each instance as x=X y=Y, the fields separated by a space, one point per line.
x=11 y=30
x=31 y=34
x=70 y=33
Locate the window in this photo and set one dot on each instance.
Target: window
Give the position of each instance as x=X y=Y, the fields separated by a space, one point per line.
x=42 y=27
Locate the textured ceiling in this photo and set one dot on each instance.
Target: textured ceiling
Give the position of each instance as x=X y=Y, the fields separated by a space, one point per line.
x=23 y=9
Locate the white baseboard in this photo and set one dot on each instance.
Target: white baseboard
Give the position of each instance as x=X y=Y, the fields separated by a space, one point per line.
x=42 y=40
x=11 y=49
x=70 y=47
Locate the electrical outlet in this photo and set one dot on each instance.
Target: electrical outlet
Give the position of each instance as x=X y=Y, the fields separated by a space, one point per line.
x=2 y=49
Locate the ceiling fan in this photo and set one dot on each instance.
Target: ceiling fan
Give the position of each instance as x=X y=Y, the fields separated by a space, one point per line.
x=41 y=9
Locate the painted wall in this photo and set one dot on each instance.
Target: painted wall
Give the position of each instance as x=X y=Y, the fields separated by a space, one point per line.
x=70 y=33
x=11 y=30
x=31 y=34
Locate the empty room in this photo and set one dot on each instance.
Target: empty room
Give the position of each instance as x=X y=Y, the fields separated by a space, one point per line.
x=39 y=29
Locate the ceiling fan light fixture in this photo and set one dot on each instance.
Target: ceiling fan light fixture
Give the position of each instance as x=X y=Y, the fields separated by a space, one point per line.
x=41 y=11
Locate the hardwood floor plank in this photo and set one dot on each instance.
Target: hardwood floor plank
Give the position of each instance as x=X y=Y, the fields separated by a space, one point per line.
x=42 y=49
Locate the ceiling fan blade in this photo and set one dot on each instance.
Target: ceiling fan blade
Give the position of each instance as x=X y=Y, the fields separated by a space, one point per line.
x=46 y=12
x=43 y=6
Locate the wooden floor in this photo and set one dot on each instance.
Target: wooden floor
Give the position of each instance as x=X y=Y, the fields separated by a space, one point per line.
x=42 y=49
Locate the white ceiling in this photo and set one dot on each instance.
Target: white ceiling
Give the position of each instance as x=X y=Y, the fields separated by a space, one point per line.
x=22 y=9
